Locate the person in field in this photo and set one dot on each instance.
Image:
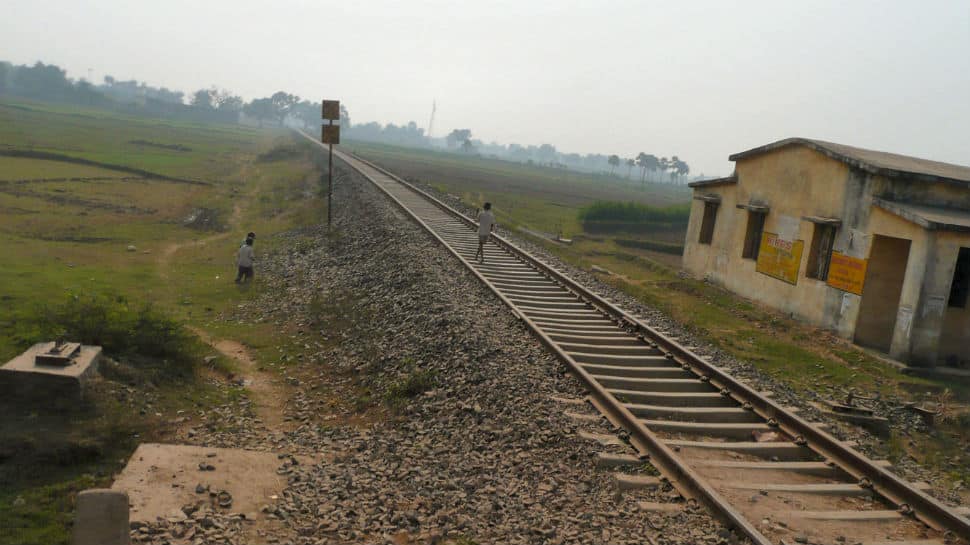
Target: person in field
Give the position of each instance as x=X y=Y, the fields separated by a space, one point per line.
x=244 y=260
x=486 y=223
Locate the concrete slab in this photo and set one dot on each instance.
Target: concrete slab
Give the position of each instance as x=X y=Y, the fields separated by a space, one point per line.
x=603 y=439
x=23 y=378
x=877 y=515
x=606 y=460
x=876 y=424
x=101 y=518
x=160 y=479
x=636 y=482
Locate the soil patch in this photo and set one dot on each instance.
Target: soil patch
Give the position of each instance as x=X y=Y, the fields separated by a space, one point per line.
x=50 y=156
x=161 y=479
x=148 y=143
x=204 y=219
x=270 y=397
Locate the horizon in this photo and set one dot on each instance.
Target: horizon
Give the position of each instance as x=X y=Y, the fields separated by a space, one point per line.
x=889 y=79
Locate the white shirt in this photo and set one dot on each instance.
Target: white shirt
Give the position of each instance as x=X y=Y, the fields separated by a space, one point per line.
x=246 y=256
x=485 y=222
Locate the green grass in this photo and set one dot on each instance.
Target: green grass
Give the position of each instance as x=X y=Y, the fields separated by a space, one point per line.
x=526 y=196
x=632 y=217
x=110 y=137
x=68 y=270
x=17 y=168
x=411 y=386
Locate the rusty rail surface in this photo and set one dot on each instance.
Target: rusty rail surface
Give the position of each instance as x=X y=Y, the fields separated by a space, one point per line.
x=692 y=485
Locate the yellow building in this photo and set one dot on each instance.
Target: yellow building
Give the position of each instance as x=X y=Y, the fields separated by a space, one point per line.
x=874 y=246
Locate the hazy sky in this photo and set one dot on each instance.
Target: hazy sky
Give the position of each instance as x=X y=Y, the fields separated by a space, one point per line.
x=697 y=79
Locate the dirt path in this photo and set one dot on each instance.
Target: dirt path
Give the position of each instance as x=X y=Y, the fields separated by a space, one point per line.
x=268 y=394
x=169 y=251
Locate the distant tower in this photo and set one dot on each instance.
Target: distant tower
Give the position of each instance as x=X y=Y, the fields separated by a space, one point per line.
x=434 y=107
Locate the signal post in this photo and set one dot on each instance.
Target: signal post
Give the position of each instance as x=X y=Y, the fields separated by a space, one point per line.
x=330 y=134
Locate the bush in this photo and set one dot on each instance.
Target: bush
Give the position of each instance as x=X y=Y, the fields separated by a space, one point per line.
x=608 y=217
x=414 y=385
x=139 y=333
x=655 y=245
x=281 y=152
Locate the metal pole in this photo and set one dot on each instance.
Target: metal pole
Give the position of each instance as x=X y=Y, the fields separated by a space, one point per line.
x=330 y=189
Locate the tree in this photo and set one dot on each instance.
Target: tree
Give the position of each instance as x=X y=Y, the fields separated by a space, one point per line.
x=344 y=118
x=261 y=109
x=225 y=101
x=307 y=112
x=678 y=167
x=630 y=163
x=458 y=137
x=664 y=165
x=282 y=102
x=546 y=153
x=467 y=146
x=614 y=161
x=646 y=162
x=203 y=99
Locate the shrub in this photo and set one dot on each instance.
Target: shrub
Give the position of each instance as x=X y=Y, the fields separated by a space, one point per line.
x=655 y=245
x=413 y=385
x=139 y=333
x=609 y=216
x=281 y=152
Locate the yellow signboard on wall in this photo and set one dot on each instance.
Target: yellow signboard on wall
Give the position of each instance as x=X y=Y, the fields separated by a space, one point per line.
x=847 y=273
x=780 y=258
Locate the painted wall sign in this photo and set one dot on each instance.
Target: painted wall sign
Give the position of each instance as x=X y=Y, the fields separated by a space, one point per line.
x=330 y=134
x=780 y=258
x=847 y=273
x=787 y=227
x=330 y=110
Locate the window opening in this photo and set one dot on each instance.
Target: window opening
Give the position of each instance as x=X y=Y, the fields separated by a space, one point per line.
x=820 y=254
x=752 y=237
x=960 y=287
x=707 y=224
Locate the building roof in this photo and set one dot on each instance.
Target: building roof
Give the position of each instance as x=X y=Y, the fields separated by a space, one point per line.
x=732 y=179
x=931 y=217
x=875 y=162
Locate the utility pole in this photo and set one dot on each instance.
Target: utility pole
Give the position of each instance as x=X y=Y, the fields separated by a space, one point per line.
x=434 y=107
x=330 y=134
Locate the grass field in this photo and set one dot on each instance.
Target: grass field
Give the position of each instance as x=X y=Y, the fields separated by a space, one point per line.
x=540 y=199
x=73 y=233
x=801 y=356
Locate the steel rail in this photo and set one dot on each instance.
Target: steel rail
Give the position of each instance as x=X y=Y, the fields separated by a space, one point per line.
x=885 y=483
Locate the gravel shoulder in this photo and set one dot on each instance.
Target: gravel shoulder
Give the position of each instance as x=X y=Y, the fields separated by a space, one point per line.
x=428 y=403
x=905 y=424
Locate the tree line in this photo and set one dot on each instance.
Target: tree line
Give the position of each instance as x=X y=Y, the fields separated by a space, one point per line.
x=50 y=82
x=676 y=169
x=652 y=168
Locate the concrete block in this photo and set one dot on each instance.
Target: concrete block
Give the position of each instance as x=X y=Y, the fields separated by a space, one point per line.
x=101 y=518
x=23 y=378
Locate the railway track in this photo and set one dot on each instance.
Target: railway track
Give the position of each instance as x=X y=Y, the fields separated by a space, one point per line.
x=693 y=422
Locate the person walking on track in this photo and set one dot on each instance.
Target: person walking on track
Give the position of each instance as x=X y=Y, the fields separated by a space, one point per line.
x=486 y=223
x=245 y=260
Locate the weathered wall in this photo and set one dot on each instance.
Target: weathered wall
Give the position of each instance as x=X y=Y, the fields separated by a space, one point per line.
x=889 y=225
x=797 y=181
x=794 y=182
x=954 y=341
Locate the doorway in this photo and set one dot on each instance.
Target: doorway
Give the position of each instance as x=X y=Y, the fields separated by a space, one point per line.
x=880 y=294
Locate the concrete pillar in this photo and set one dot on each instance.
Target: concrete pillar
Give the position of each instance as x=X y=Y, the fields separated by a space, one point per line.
x=101 y=518
x=920 y=252
x=931 y=311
